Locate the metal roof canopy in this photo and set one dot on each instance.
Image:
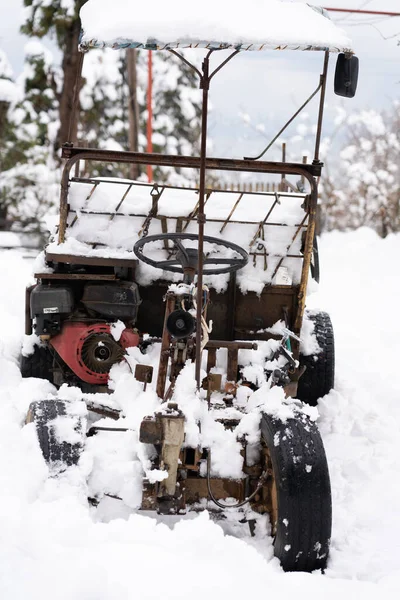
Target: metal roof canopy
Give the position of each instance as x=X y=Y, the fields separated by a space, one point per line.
x=253 y=25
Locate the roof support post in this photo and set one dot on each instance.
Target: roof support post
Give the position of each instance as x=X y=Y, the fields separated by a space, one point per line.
x=323 y=79
x=201 y=217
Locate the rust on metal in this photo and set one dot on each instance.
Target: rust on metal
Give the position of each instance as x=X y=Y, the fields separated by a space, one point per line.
x=232 y=366
x=104 y=411
x=79 y=276
x=231 y=213
x=211 y=358
x=97 y=261
x=165 y=344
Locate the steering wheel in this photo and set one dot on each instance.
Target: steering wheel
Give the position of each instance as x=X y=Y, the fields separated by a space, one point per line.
x=186 y=259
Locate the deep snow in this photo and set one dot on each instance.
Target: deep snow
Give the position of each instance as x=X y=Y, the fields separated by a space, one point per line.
x=53 y=546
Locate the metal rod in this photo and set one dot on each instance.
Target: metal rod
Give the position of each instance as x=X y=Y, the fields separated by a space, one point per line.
x=183 y=59
x=189 y=162
x=201 y=217
x=223 y=63
x=283 y=176
x=286 y=125
x=231 y=213
x=363 y=12
x=321 y=106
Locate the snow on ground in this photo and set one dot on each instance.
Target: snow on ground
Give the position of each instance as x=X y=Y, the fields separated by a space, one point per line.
x=53 y=546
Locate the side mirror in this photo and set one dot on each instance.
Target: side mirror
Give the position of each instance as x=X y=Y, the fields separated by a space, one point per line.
x=346 y=76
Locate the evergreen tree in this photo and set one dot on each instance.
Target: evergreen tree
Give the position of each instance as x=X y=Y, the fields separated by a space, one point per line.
x=366 y=189
x=176 y=102
x=29 y=178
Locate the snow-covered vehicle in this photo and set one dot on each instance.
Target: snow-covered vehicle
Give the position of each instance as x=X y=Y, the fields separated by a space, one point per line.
x=212 y=305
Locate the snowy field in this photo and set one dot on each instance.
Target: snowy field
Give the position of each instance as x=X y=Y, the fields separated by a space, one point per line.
x=52 y=546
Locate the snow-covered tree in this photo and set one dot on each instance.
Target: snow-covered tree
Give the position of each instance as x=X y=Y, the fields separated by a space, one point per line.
x=28 y=181
x=366 y=187
x=104 y=118
x=59 y=18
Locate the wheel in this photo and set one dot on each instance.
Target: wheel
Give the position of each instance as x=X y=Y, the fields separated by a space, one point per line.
x=39 y=364
x=319 y=376
x=61 y=445
x=297 y=491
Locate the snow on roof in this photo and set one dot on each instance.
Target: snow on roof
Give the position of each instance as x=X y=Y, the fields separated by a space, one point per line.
x=221 y=24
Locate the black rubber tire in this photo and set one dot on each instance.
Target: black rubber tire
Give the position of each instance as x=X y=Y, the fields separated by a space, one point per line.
x=39 y=364
x=319 y=376
x=303 y=527
x=55 y=451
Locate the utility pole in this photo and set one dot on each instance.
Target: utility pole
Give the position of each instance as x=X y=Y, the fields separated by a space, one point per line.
x=150 y=114
x=364 y=12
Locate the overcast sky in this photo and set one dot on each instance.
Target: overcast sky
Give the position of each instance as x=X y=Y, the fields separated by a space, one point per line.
x=268 y=86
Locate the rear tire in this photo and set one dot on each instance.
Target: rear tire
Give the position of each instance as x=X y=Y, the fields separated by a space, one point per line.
x=301 y=486
x=61 y=446
x=319 y=377
x=38 y=364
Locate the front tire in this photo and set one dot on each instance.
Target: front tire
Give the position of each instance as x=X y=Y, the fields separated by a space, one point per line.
x=298 y=490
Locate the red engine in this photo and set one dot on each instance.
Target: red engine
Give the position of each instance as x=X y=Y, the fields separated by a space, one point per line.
x=90 y=350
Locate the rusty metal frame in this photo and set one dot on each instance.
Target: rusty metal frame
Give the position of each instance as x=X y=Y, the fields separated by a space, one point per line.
x=203 y=163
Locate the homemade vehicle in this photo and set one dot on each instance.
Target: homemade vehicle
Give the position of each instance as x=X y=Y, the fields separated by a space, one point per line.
x=213 y=277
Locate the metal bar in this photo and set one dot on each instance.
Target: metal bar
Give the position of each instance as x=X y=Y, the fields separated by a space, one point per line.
x=190 y=162
x=364 y=12
x=287 y=125
x=91 y=260
x=235 y=345
x=183 y=59
x=268 y=254
x=105 y=411
x=112 y=216
x=223 y=64
x=165 y=343
x=276 y=201
x=283 y=176
x=288 y=248
x=232 y=365
x=80 y=276
x=231 y=213
x=194 y=212
x=211 y=358
x=323 y=79
x=87 y=200
x=181 y=218
x=201 y=217
x=121 y=202
x=258 y=191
